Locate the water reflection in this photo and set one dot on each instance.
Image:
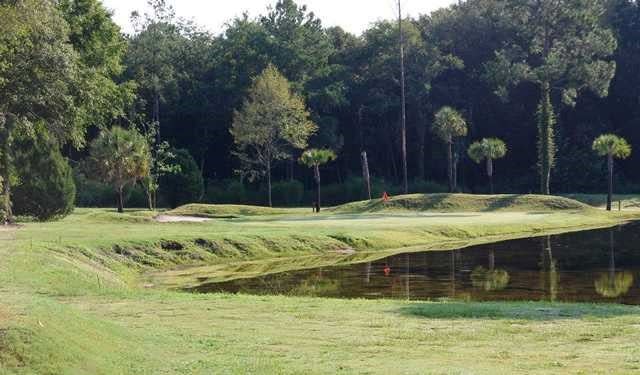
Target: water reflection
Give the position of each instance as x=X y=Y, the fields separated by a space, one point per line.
x=613 y=284
x=588 y=266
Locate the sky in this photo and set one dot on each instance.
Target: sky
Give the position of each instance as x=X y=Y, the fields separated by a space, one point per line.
x=352 y=15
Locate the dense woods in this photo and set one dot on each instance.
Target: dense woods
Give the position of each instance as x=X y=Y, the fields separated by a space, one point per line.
x=546 y=77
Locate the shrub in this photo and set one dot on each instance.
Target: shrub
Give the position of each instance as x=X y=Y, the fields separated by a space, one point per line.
x=45 y=188
x=226 y=192
x=184 y=186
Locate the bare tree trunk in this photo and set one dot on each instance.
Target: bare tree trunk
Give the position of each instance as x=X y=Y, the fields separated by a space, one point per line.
x=269 y=183
x=610 y=191
x=120 y=199
x=316 y=170
x=365 y=173
x=404 y=106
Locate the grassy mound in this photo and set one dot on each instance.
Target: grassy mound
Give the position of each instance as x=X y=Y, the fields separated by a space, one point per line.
x=412 y=202
x=463 y=203
x=225 y=210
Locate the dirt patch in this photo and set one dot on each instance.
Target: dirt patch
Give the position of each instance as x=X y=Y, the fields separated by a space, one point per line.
x=180 y=219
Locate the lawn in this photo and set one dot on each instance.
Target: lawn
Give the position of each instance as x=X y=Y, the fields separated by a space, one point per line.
x=95 y=294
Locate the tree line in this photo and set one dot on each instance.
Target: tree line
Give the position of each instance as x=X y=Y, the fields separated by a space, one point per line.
x=542 y=78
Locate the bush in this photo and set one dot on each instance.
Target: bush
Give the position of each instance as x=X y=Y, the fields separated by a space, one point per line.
x=184 y=186
x=287 y=193
x=45 y=188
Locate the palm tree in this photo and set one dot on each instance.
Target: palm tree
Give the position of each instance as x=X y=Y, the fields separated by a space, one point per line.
x=611 y=146
x=449 y=124
x=314 y=158
x=120 y=157
x=488 y=149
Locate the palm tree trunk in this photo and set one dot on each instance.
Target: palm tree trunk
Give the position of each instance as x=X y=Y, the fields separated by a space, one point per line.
x=450 y=165
x=610 y=192
x=490 y=174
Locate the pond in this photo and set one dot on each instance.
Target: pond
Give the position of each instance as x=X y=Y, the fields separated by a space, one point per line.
x=591 y=266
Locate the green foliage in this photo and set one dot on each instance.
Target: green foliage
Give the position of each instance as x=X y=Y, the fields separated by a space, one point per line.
x=449 y=124
x=101 y=48
x=120 y=157
x=46 y=189
x=316 y=157
x=487 y=148
x=185 y=184
x=612 y=145
x=288 y=193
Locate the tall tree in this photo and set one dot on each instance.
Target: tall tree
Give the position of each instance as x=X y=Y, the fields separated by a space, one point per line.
x=488 y=149
x=314 y=158
x=151 y=56
x=120 y=157
x=272 y=121
x=39 y=80
x=448 y=125
x=561 y=46
x=611 y=146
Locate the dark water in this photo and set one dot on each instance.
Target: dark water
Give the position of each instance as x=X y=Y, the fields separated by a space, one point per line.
x=590 y=266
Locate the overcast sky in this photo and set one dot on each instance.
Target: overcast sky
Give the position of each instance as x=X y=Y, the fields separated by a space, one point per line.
x=353 y=15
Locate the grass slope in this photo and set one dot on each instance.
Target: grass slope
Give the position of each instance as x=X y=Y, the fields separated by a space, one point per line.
x=72 y=300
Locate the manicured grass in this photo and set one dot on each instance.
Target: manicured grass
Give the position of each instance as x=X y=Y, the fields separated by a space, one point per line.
x=75 y=298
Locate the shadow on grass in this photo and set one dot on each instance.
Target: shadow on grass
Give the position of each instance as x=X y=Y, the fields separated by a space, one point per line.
x=516 y=310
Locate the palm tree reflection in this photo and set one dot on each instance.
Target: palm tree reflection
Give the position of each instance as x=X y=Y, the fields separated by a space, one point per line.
x=613 y=284
x=490 y=279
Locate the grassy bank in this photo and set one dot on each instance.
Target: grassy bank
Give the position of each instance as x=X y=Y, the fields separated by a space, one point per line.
x=75 y=295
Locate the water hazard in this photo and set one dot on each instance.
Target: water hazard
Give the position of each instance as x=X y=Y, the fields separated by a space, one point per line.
x=591 y=266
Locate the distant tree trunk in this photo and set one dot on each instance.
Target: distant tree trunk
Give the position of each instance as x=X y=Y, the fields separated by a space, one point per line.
x=490 y=174
x=392 y=159
x=610 y=192
x=405 y=182
x=316 y=172
x=120 y=199
x=450 y=164
x=269 y=183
